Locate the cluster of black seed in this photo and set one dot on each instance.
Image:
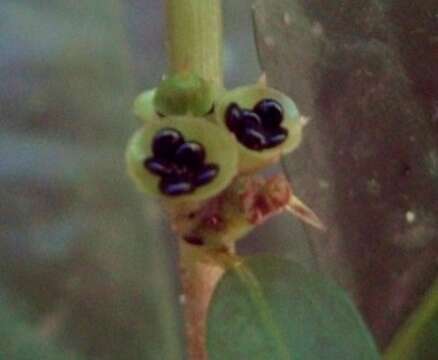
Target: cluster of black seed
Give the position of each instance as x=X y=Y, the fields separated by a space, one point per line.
x=259 y=128
x=180 y=164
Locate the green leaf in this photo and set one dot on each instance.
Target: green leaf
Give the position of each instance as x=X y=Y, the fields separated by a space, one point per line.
x=418 y=338
x=272 y=308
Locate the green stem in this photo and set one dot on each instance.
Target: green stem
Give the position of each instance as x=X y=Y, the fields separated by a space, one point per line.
x=195 y=38
x=195 y=44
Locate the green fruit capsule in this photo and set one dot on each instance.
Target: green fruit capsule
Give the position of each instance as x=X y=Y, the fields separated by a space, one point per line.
x=184 y=94
x=265 y=123
x=182 y=159
x=144 y=105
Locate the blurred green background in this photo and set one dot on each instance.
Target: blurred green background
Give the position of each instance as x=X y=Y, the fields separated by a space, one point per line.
x=86 y=261
x=83 y=256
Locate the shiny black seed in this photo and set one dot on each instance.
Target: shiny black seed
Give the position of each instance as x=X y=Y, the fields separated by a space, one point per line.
x=253 y=139
x=250 y=120
x=158 y=166
x=276 y=137
x=270 y=111
x=206 y=174
x=232 y=117
x=190 y=154
x=166 y=142
x=175 y=185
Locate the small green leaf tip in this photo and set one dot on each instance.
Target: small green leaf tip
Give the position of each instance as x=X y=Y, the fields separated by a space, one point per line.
x=184 y=94
x=144 y=105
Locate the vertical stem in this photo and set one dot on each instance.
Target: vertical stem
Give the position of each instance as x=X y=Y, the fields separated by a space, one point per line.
x=195 y=44
x=195 y=37
x=198 y=281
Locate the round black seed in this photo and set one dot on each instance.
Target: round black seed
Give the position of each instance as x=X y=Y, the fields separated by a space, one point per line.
x=253 y=139
x=175 y=185
x=250 y=119
x=270 y=111
x=232 y=117
x=166 y=142
x=276 y=137
x=190 y=154
x=159 y=167
x=206 y=174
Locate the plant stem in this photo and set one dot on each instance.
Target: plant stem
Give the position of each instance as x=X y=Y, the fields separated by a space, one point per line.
x=195 y=44
x=195 y=38
x=198 y=281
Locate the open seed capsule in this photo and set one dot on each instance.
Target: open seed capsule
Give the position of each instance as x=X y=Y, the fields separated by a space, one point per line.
x=184 y=94
x=200 y=161
x=278 y=130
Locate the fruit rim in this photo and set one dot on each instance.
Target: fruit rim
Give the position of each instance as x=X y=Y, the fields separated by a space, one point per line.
x=144 y=105
x=224 y=151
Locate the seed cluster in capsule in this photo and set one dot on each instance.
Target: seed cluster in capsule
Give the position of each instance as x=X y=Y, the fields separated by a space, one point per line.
x=259 y=128
x=180 y=164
